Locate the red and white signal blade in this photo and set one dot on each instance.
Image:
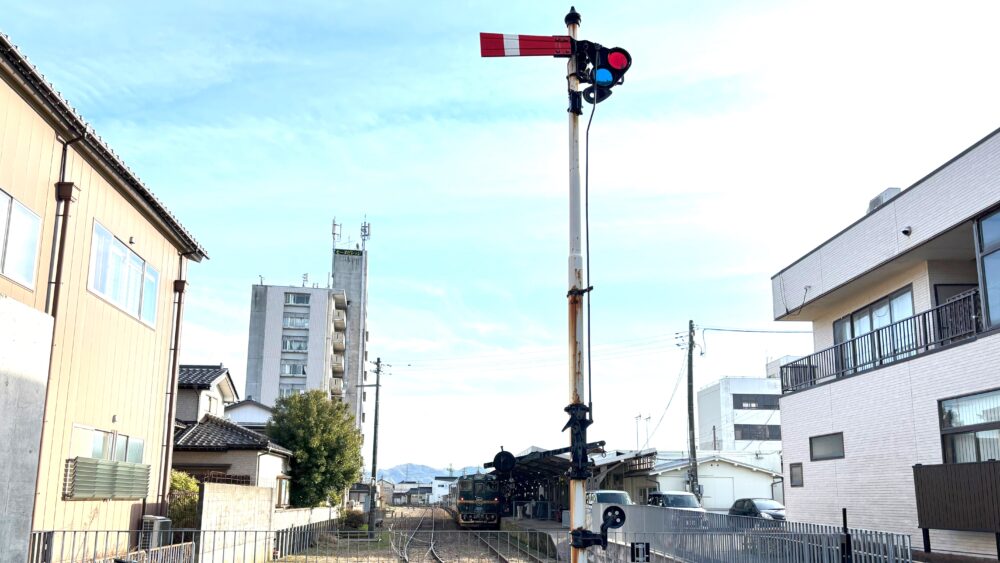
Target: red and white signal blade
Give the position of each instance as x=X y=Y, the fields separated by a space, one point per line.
x=508 y=45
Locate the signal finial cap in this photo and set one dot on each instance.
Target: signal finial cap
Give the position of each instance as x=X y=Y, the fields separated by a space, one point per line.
x=573 y=17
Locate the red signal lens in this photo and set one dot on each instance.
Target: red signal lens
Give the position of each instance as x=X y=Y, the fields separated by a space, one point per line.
x=617 y=60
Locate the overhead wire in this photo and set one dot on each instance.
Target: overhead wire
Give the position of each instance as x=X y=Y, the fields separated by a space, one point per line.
x=673 y=393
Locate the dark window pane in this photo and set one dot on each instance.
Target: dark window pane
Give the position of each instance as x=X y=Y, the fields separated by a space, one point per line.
x=960 y=448
x=991 y=275
x=830 y=446
x=862 y=322
x=795 y=473
x=975 y=409
x=990 y=228
x=841 y=330
x=988 y=442
x=902 y=306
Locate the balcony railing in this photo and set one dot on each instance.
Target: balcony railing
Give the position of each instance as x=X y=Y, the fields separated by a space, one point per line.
x=955 y=321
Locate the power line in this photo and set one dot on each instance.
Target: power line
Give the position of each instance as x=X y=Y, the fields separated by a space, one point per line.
x=677 y=384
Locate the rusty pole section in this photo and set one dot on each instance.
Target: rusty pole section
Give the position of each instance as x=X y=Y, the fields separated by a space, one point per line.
x=577 y=505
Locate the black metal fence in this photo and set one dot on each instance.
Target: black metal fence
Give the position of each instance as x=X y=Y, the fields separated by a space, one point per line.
x=955 y=321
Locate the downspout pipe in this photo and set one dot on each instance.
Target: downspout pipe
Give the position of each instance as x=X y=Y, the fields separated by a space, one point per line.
x=64 y=196
x=180 y=284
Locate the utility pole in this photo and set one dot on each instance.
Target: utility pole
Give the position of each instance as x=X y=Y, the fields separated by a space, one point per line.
x=692 y=453
x=638 y=417
x=374 y=484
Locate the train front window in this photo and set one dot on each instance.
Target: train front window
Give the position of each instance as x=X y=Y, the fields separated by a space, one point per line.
x=480 y=486
x=465 y=486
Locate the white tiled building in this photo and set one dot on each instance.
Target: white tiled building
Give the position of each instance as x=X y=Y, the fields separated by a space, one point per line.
x=740 y=414
x=905 y=306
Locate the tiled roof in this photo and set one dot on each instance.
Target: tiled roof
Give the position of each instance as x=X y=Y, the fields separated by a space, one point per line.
x=200 y=377
x=214 y=433
x=247 y=402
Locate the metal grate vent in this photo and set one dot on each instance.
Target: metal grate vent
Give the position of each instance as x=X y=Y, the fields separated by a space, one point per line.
x=88 y=478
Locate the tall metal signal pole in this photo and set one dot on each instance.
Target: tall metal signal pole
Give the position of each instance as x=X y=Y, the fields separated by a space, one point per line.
x=577 y=410
x=603 y=68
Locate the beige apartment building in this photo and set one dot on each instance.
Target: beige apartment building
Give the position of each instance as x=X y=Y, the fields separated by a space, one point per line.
x=92 y=270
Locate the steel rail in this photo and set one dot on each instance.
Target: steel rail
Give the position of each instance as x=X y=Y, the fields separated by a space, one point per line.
x=521 y=551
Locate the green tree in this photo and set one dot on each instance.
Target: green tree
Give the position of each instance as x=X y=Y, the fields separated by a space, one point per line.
x=325 y=445
x=183 y=509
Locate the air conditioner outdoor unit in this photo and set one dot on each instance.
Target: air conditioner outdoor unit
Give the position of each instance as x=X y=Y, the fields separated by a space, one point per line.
x=882 y=198
x=155 y=532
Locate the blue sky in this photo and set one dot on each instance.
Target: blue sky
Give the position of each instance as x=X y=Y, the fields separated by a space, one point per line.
x=746 y=134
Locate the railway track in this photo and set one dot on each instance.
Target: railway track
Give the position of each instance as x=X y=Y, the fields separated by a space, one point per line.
x=507 y=553
x=433 y=536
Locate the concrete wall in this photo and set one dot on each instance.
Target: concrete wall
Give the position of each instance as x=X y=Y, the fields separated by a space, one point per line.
x=350 y=274
x=950 y=197
x=283 y=519
x=889 y=418
x=245 y=513
x=25 y=343
x=245 y=521
x=267 y=309
x=709 y=415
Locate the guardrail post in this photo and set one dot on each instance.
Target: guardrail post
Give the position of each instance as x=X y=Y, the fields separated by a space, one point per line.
x=848 y=555
x=927 y=539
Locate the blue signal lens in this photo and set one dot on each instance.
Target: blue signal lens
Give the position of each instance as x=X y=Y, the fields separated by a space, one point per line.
x=603 y=77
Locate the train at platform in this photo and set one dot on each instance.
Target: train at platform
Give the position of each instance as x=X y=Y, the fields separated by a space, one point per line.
x=474 y=500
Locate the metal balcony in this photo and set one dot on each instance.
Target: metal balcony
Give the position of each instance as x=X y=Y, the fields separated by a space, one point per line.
x=956 y=321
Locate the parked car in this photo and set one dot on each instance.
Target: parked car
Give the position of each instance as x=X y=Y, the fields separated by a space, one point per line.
x=682 y=500
x=608 y=497
x=765 y=508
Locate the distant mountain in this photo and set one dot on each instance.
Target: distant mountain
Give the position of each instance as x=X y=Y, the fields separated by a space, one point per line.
x=421 y=473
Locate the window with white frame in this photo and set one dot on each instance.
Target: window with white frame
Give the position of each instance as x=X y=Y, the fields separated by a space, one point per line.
x=107 y=445
x=294 y=344
x=296 y=299
x=293 y=367
x=296 y=320
x=20 y=229
x=122 y=277
x=289 y=389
